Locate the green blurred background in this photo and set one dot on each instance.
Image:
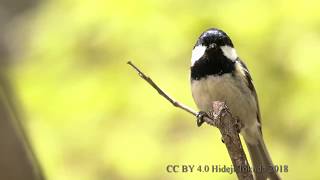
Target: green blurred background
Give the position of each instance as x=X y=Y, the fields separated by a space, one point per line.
x=90 y=117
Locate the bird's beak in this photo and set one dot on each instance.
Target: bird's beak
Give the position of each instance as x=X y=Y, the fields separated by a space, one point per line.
x=211 y=46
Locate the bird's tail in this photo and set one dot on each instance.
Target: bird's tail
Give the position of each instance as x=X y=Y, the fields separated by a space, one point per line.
x=261 y=161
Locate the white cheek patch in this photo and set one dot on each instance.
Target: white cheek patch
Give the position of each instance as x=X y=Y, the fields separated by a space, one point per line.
x=197 y=53
x=229 y=52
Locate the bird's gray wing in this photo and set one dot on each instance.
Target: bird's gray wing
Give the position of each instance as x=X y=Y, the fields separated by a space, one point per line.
x=252 y=88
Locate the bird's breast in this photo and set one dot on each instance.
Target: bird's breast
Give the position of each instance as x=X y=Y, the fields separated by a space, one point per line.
x=227 y=88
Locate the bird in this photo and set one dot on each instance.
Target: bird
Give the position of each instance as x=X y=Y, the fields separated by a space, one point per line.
x=218 y=74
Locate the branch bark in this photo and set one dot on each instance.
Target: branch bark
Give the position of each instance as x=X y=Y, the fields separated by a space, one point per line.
x=229 y=128
x=220 y=117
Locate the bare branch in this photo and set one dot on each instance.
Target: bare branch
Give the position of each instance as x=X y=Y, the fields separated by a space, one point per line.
x=220 y=117
x=229 y=128
x=161 y=92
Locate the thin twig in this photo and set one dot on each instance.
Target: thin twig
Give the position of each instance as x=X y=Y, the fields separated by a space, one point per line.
x=161 y=92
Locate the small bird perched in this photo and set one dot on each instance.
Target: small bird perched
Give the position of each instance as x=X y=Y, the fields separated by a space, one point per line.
x=217 y=74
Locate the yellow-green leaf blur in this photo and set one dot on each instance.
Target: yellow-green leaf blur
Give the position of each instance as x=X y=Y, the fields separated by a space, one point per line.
x=89 y=116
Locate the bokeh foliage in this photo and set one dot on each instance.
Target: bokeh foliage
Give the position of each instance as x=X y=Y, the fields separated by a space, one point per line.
x=90 y=116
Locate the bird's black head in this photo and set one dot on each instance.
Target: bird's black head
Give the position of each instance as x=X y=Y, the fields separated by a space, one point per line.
x=212 y=54
x=214 y=37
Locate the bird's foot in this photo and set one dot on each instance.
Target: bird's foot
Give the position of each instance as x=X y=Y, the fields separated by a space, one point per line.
x=200 y=116
x=238 y=125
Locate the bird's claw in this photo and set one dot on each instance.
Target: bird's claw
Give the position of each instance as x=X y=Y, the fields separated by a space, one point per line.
x=222 y=140
x=238 y=125
x=200 y=116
